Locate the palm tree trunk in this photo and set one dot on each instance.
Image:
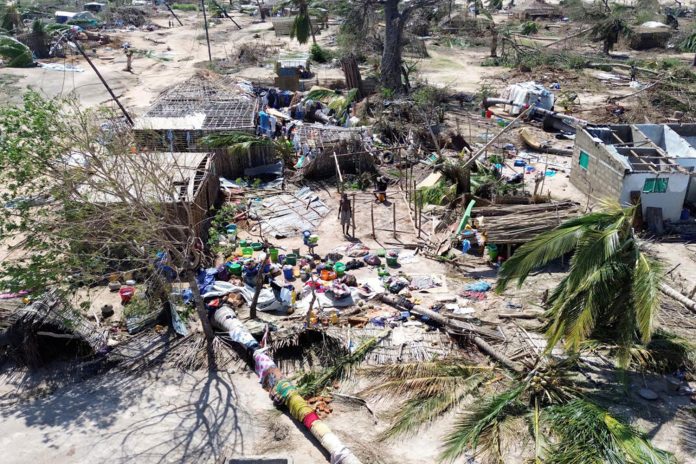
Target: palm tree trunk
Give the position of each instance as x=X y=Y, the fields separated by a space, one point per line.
x=677 y=295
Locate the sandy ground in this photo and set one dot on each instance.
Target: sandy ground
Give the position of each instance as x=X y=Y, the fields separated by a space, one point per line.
x=168 y=416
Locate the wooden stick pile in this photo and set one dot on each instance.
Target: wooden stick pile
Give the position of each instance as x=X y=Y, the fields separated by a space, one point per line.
x=506 y=224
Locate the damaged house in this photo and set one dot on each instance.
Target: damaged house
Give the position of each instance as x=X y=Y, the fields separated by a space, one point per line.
x=203 y=105
x=331 y=150
x=630 y=163
x=184 y=186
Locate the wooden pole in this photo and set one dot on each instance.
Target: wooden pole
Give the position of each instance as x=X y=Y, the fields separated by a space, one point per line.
x=224 y=12
x=207 y=37
x=173 y=14
x=338 y=172
x=420 y=215
x=394 y=216
x=352 y=215
x=108 y=89
x=475 y=156
x=372 y=218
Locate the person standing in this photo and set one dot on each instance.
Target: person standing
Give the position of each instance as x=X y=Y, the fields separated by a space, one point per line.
x=129 y=57
x=345 y=213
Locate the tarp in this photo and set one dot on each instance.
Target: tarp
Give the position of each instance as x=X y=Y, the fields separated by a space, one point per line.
x=528 y=93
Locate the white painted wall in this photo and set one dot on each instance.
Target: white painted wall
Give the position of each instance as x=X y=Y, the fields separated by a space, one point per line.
x=671 y=202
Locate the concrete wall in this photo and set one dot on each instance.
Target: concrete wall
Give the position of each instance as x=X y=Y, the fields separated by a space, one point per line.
x=671 y=202
x=604 y=176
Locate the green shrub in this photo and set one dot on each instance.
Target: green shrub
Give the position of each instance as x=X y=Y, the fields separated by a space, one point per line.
x=529 y=28
x=184 y=7
x=320 y=55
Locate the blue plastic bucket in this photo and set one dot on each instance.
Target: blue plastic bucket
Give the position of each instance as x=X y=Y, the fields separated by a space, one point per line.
x=287 y=272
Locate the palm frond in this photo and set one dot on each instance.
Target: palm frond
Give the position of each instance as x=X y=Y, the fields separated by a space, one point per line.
x=646 y=295
x=665 y=353
x=417 y=412
x=312 y=383
x=545 y=248
x=478 y=429
x=422 y=380
x=587 y=433
x=300 y=27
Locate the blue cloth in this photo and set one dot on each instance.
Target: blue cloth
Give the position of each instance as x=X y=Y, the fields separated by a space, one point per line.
x=478 y=286
x=466 y=245
x=263 y=121
x=206 y=279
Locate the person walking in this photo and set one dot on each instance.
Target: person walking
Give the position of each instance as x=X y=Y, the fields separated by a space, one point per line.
x=345 y=213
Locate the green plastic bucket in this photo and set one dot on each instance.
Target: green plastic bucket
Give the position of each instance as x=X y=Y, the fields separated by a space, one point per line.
x=247 y=252
x=340 y=269
x=291 y=259
x=392 y=261
x=257 y=246
x=235 y=269
x=243 y=242
x=381 y=252
x=273 y=252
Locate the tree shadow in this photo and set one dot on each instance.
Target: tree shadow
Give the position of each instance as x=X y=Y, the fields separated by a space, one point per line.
x=198 y=431
x=153 y=416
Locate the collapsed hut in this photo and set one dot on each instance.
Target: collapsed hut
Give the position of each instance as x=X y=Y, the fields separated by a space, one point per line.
x=333 y=150
x=200 y=106
x=50 y=329
x=533 y=9
x=651 y=34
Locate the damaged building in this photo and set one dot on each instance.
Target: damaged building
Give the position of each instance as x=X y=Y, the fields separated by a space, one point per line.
x=200 y=106
x=649 y=163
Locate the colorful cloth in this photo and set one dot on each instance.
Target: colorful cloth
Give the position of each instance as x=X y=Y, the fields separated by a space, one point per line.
x=262 y=363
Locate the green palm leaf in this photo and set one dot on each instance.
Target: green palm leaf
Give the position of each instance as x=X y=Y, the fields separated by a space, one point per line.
x=587 y=434
x=479 y=429
x=646 y=295
x=422 y=380
x=417 y=412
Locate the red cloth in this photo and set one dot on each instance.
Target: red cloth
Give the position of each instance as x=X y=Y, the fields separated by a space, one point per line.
x=309 y=419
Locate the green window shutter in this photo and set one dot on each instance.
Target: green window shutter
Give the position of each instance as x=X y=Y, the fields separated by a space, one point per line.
x=655 y=185
x=584 y=160
x=649 y=186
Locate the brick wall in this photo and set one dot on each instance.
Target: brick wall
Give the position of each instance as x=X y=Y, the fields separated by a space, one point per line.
x=604 y=175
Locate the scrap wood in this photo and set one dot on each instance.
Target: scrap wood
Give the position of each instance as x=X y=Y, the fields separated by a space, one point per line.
x=523 y=315
x=456 y=326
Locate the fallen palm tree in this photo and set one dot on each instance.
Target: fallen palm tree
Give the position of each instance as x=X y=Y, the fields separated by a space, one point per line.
x=282 y=390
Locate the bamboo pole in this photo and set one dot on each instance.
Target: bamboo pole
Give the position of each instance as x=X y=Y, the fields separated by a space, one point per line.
x=352 y=215
x=338 y=171
x=476 y=155
x=372 y=219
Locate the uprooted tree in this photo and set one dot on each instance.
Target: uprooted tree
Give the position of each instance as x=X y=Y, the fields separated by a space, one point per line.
x=81 y=205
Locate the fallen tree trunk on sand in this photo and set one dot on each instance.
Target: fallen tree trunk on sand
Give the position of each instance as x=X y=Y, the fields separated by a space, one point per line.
x=282 y=390
x=457 y=327
x=677 y=295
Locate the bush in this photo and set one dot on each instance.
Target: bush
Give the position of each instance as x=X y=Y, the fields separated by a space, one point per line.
x=184 y=7
x=320 y=55
x=529 y=28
